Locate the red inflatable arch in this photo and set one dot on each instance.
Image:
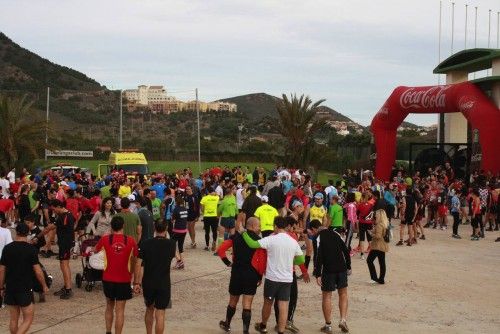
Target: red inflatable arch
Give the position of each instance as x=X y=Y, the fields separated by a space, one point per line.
x=463 y=97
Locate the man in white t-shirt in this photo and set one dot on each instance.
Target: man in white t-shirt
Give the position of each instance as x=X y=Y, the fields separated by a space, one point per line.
x=5 y=185
x=5 y=235
x=283 y=252
x=11 y=176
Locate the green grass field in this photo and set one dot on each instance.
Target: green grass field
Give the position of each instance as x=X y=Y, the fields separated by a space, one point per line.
x=173 y=166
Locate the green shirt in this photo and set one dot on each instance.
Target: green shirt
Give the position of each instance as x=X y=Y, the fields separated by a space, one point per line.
x=336 y=215
x=105 y=192
x=156 y=204
x=250 y=178
x=227 y=207
x=131 y=221
x=210 y=203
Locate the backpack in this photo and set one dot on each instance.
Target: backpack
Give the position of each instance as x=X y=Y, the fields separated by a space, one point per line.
x=387 y=234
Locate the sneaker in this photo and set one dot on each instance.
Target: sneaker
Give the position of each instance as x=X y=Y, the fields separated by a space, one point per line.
x=422 y=237
x=291 y=327
x=362 y=256
x=67 y=294
x=343 y=326
x=60 y=292
x=489 y=229
x=456 y=236
x=258 y=327
x=224 y=326
x=326 y=329
x=474 y=238
x=193 y=245
x=372 y=282
x=214 y=247
x=443 y=228
x=400 y=243
x=206 y=248
x=497 y=239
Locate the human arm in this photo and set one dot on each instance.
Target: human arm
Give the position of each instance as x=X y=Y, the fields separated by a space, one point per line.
x=250 y=242
x=139 y=229
x=299 y=259
x=2 y=280
x=223 y=248
x=40 y=277
x=138 y=275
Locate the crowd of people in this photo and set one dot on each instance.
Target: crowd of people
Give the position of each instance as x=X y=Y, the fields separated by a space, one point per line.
x=277 y=224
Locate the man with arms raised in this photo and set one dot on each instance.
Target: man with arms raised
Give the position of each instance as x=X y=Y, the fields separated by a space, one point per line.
x=282 y=253
x=154 y=280
x=19 y=260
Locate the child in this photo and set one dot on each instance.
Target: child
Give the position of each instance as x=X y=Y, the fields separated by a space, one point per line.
x=442 y=213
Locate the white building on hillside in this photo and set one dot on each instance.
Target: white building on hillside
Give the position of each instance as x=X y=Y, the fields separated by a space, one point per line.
x=145 y=95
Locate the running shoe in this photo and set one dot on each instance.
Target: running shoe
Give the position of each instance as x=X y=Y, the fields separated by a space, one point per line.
x=343 y=326
x=443 y=228
x=456 y=236
x=372 y=282
x=67 y=294
x=259 y=328
x=60 y=292
x=474 y=238
x=224 y=326
x=400 y=243
x=326 y=329
x=362 y=256
x=193 y=245
x=206 y=248
x=291 y=327
x=497 y=239
x=422 y=237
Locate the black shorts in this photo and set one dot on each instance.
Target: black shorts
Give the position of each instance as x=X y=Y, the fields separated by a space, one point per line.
x=277 y=290
x=64 y=252
x=407 y=221
x=227 y=222
x=243 y=282
x=22 y=299
x=330 y=282
x=159 y=298
x=117 y=291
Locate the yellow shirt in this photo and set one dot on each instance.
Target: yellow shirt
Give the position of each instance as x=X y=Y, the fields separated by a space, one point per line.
x=266 y=214
x=210 y=203
x=317 y=212
x=124 y=191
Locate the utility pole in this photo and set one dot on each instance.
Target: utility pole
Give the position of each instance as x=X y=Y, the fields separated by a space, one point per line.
x=121 y=119
x=47 y=123
x=199 y=141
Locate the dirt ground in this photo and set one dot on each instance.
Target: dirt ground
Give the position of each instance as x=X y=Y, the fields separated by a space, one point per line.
x=441 y=285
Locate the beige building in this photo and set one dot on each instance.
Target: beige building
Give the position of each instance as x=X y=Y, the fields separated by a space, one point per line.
x=144 y=95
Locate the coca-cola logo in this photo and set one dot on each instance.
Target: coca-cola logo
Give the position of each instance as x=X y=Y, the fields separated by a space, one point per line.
x=464 y=105
x=433 y=97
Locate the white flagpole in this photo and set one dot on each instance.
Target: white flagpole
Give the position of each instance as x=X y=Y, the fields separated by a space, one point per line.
x=439 y=37
x=452 y=25
x=466 y=18
x=475 y=33
x=498 y=29
x=489 y=27
x=47 y=122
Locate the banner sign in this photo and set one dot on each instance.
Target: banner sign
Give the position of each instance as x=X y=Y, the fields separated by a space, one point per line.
x=69 y=153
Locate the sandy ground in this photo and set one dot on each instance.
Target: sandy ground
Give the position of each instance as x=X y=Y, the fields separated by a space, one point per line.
x=441 y=285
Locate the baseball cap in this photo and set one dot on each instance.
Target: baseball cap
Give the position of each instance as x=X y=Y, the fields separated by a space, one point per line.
x=297 y=203
x=318 y=195
x=265 y=198
x=131 y=197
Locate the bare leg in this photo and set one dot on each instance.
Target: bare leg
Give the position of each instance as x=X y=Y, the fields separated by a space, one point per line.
x=160 y=321
x=64 y=264
x=108 y=314
x=27 y=312
x=192 y=232
x=343 y=303
x=14 y=318
x=119 y=315
x=149 y=319
x=283 y=309
x=326 y=305
x=266 y=310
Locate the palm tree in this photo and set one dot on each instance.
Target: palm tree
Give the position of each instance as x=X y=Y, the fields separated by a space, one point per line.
x=22 y=134
x=298 y=125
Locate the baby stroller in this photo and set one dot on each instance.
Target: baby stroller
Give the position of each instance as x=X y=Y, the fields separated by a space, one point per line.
x=89 y=274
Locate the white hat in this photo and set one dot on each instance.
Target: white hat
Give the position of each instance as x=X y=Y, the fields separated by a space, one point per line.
x=265 y=199
x=131 y=197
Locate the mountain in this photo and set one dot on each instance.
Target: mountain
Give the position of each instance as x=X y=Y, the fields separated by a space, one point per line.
x=23 y=70
x=260 y=105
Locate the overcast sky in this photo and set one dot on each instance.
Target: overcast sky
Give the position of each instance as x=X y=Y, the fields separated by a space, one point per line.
x=352 y=53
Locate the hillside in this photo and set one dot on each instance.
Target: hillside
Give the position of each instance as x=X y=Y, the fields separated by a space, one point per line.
x=261 y=105
x=23 y=70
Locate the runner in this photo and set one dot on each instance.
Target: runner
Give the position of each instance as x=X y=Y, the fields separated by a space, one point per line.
x=179 y=221
x=18 y=262
x=152 y=276
x=244 y=278
x=408 y=214
x=228 y=210
x=208 y=205
x=64 y=227
x=282 y=253
x=132 y=224
x=120 y=252
x=266 y=214
x=333 y=265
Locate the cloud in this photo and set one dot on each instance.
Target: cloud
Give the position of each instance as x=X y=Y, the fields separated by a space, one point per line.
x=353 y=53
